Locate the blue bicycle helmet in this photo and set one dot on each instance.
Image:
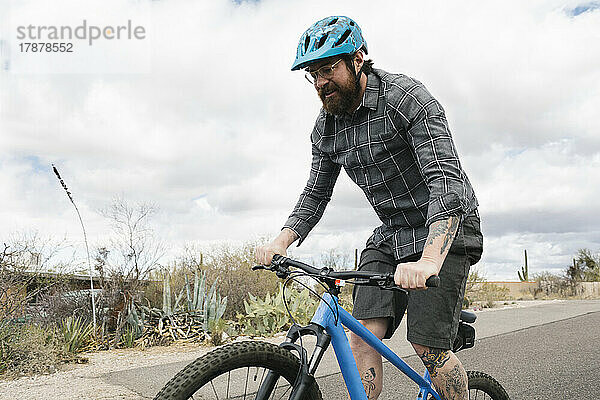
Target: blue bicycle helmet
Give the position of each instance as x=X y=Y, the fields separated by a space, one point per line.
x=328 y=37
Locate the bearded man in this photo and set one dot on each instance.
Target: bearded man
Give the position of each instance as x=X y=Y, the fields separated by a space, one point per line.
x=392 y=138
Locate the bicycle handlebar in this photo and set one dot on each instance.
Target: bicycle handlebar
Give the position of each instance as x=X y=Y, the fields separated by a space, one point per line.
x=280 y=265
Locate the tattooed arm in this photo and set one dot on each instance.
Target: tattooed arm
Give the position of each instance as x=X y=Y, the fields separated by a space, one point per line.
x=414 y=274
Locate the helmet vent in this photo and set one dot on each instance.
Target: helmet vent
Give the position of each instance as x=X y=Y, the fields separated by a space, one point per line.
x=306 y=43
x=343 y=38
x=351 y=23
x=322 y=41
x=333 y=21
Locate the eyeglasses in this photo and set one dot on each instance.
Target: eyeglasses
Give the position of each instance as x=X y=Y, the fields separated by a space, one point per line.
x=325 y=72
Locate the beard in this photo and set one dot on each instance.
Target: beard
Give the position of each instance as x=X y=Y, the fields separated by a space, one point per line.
x=346 y=95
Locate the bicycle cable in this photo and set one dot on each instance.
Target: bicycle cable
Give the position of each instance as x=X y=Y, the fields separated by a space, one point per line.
x=293 y=277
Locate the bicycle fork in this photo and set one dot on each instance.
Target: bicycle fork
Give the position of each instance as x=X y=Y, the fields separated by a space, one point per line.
x=305 y=378
x=325 y=326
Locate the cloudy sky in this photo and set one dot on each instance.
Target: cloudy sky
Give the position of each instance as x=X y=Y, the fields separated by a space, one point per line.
x=204 y=118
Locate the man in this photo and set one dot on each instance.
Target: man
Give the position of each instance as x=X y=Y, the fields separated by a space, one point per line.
x=392 y=138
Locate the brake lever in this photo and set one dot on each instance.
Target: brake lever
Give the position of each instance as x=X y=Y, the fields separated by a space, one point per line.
x=281 y=271
x=393 y=286
x=383 y=282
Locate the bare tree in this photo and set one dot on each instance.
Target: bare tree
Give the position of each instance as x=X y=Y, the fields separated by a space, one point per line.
x=24 y=263
x=129 y=258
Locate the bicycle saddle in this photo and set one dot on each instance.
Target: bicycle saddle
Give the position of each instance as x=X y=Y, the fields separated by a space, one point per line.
x=467 y=316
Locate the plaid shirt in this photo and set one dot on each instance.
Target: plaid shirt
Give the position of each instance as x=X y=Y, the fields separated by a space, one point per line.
x=398 y=149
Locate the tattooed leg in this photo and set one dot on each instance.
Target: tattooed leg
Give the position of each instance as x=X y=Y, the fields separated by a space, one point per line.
x=446 y=370
x=368 y=380
x=367 y=359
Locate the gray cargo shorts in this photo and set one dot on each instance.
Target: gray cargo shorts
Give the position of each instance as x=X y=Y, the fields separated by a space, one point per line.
x=432 y=314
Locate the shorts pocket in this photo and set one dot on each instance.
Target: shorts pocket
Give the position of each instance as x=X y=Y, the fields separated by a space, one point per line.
x=473 y=238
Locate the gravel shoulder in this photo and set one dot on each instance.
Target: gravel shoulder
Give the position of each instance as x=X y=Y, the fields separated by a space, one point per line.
x=83 y=381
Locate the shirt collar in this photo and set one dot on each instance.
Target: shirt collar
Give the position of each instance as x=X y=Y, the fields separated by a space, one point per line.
x=371 y=95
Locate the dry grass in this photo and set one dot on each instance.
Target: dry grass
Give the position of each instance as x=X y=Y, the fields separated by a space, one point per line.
x=30 y=349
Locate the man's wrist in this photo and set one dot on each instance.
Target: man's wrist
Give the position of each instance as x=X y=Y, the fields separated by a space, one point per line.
x=286 y=237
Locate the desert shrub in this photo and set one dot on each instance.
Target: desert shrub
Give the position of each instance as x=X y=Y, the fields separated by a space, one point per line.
x=218 y=331
x=62 y=302
x=268 y=316
x=24 y=261
x=479 y=291
x=232 y=266
x=27 y=349
x=585 y=267
x=152 y=293
x=487 y=294
x=551 y=285
x=345 y=297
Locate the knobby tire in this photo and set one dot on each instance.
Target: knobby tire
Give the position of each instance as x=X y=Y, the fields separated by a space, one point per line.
x=484 y=387
x=253 y=359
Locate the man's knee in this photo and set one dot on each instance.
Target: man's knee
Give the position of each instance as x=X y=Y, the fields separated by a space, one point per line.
x=378 y=326
x=419 y=349
x=433 y=358
x=425 y=350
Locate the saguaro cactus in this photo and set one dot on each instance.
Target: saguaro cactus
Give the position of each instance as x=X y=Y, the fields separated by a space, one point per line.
x=525 y=269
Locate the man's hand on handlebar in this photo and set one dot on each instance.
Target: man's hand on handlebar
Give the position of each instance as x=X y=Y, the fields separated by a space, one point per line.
x=264 y=254
x=281 y=267
x=412 y=275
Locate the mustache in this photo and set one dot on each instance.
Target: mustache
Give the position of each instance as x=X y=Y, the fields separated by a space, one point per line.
x=327 y=88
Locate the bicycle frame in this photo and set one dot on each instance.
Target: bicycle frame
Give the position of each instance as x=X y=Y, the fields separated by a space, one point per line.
x=325 y=318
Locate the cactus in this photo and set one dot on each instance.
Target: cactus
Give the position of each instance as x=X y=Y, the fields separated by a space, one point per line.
x=187 y=293
x=525 y=276
x=213 y=307
x=210 y=305
x=167 y=294
x=178 y=300
x=199 y=291
x=135 y=321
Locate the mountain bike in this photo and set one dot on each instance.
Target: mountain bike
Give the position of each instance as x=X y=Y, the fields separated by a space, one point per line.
x=261 y=371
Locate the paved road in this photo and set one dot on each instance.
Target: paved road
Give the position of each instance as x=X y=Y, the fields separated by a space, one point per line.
x=556 y=361
x=547 y=351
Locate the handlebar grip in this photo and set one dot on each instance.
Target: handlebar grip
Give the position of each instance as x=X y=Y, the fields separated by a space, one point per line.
x=433 y=281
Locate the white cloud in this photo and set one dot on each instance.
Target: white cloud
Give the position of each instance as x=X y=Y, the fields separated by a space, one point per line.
x=217 y=133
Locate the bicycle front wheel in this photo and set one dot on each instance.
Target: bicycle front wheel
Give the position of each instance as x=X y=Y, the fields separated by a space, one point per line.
x=236 y=371
x=484 y=387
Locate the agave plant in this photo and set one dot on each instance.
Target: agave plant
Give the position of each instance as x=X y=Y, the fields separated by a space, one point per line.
x=208 y=304
x=76 y=334
x=213 y=307
x=128 y=337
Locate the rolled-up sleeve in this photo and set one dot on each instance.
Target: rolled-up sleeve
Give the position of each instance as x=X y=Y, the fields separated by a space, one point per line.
x=437 y=159
x=315 y=196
